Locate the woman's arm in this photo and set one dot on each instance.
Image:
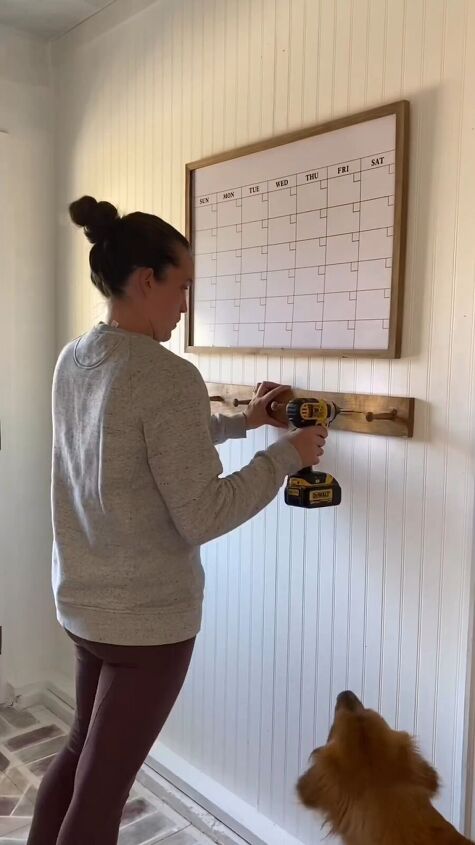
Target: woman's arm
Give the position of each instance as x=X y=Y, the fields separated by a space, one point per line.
x=224 y=427
x=187 y=468
x=257 y=413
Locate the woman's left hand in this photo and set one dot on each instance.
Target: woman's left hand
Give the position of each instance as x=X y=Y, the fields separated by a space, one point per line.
x=256 y=412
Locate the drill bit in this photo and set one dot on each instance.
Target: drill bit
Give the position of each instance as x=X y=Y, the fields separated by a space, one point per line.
x=349 y=411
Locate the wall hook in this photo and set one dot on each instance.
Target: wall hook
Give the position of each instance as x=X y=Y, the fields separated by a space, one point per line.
x=390 y=415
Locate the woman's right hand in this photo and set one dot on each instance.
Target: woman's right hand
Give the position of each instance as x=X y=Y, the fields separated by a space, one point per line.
x=310 y=443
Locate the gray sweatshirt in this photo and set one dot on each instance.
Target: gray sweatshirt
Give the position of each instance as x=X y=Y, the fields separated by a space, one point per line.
x=136 y=488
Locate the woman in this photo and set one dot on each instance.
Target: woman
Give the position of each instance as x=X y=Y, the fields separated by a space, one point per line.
x=136 y=489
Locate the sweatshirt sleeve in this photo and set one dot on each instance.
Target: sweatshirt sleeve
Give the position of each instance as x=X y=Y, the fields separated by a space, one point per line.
x=225 y=427
x=187 y=468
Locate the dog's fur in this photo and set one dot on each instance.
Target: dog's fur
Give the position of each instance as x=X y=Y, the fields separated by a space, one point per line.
x=371 y=784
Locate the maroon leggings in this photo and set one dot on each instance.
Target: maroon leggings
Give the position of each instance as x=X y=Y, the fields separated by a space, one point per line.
x=124 y=696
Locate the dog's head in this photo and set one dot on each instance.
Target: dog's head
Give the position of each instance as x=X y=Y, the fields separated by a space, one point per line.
x=364 y=768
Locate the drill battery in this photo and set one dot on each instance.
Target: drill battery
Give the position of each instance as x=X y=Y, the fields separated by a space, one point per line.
x=311 y=489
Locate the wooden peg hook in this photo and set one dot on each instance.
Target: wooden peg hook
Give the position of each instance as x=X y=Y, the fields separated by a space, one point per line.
x=390 y=415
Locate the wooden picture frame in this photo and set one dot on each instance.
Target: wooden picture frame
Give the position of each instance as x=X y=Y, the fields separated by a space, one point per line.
x=389 y=163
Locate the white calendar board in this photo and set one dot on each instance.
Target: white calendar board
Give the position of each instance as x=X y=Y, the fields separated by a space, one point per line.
x=297 y=246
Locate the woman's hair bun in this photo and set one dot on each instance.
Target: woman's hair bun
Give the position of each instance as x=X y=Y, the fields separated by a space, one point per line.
x=96 y=218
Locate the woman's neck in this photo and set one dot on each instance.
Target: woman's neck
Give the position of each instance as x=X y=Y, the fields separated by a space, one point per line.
x=122 y=315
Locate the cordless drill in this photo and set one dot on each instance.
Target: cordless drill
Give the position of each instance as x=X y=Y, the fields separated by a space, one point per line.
x=309 y=488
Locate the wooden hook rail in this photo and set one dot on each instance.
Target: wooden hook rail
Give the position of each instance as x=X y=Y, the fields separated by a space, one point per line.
x=389 y=416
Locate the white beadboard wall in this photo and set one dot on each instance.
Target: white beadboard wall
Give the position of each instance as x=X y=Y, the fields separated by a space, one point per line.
x=375 y=595
x=27 y=354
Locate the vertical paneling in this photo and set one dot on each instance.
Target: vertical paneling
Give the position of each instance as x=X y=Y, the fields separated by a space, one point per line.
x=27 y=345
x=375 y=594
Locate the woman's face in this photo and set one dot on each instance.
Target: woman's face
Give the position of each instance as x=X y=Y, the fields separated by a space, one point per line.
x=167 y=298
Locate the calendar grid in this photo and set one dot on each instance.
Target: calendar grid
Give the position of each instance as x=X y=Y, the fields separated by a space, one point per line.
x=316 y=239
x=298 y=242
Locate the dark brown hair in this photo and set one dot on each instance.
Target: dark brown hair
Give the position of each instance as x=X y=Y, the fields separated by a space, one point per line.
x=121 y=244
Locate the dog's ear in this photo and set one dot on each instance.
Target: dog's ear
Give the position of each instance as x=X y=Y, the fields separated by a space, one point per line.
x=427 y=777
x=311 y=785
x=423 y=774
x=320 y=789
x=308 y=787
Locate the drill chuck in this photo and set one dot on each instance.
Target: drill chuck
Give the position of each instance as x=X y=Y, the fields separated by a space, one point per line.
x=305 y=412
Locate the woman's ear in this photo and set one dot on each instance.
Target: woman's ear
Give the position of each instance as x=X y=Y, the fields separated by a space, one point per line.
x=142 y=280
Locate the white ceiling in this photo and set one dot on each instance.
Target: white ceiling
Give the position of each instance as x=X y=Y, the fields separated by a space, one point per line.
x=48 y=18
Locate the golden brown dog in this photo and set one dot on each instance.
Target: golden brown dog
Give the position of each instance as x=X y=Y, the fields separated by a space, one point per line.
x=371 y=784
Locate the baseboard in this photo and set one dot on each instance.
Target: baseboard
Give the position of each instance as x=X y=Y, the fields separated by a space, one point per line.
x=60 y=709
x=247 y=822
x=62 y=688
x=202 y=801
x=56 y=695
x=189 y=809
x=28 y=695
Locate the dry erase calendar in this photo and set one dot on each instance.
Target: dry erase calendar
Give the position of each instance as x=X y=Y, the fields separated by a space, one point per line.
x=298 y=242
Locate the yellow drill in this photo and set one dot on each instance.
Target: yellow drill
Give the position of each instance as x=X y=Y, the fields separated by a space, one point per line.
x=309 y=488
